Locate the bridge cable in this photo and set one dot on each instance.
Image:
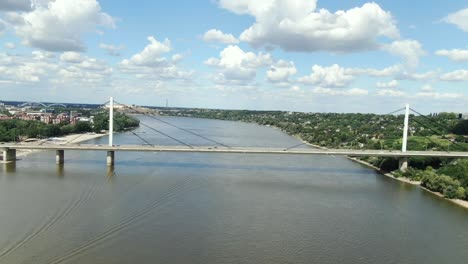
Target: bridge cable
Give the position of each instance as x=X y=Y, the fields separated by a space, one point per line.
x=164 y=134
x=454 y=143
x=183 y=129
x=160 y=132
x=393 y=112
x=390 y=113
x=435 y=122
x=144 y=140
x=295 y=146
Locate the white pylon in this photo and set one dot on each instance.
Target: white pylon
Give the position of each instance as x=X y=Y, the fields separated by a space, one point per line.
x=111 y=121
x=405 y=129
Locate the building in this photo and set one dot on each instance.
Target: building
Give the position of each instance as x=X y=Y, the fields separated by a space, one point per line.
x=463 y=116
x=4 y=117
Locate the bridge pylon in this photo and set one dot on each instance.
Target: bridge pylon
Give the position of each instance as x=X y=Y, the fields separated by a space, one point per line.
x=403 y=161
x=111 y=154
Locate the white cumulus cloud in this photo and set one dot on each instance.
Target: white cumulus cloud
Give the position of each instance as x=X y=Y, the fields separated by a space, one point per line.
x=71 y=57
x=297 y=25
x=409 y=50
x=457 y=55
x=58 y=25
x=455 y=76
x=236 y=66
x=390 y=84
x=348 y=92
x=332 y=76
x=153 y=62
x=459 y=18
x=281 y=71
x=214 y=35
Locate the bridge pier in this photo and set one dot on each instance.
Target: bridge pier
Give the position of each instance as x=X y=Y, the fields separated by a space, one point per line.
x=403 y=164
x=9 y=155
x=110 y=158
x=60 y=156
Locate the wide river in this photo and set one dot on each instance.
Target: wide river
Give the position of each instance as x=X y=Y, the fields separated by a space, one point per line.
x=219 y=208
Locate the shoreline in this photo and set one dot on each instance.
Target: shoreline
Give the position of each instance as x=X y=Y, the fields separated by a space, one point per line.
x=458 y=202
x=64 y=140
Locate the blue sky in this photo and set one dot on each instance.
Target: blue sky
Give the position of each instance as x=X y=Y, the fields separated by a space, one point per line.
x=300 y=55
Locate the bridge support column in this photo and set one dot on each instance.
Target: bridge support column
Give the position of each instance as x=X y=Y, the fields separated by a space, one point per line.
x=9 y=155
x=403 y=164
x=60 y=156
x=110 y=158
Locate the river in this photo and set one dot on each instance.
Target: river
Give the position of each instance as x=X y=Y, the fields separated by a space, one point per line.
x=219 y=208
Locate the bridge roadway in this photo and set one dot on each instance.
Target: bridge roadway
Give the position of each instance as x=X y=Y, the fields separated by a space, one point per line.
x=240 y=150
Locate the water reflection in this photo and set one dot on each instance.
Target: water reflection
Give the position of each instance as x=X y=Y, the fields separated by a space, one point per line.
x=60 y=170
x=9 y=167
x=110 y=172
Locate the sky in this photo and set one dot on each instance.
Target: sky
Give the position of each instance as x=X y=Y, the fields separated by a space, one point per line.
x=293 y=55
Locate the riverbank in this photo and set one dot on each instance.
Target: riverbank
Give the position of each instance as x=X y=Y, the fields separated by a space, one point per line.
x=64 y=140
x=459 y=202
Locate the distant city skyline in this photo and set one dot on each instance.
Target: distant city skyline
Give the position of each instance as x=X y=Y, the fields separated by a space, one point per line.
x=292 y=55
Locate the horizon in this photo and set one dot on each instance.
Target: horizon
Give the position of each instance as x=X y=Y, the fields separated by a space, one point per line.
x=220 y=109
x=305 y=56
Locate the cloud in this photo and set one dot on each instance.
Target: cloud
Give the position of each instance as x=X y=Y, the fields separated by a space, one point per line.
x=2 y=27
x=390 y=92
x=151 y=54
x=417 y=76
x=214 y=35
x=457 y=55
x=111 y=50
x=409 y=50
x=10 y=45
x=349 y=92
x=296 y=25
x=20 y=69
x=389 y=71
x=236 y=66
x=459 y=18
x=455 y=76
x=71 y=57
x=436 y=95
x=83 y=69
x=391 y=84
x=151 y=63
x=281 y=71
x=59 y=25
x=15 y=5
x=426 y=88
x=332 y=76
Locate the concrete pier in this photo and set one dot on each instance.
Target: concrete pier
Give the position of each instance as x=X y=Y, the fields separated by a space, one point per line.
x=60 y=156
x=9 y=155
x=403 y=163
x=110 y=158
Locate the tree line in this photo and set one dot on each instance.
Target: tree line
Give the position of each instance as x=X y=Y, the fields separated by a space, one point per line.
x=16 y=130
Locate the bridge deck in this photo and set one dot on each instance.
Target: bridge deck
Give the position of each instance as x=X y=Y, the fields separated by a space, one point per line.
x=242 y=150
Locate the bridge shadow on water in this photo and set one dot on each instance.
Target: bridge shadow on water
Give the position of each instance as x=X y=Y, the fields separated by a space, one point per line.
x=216 y=166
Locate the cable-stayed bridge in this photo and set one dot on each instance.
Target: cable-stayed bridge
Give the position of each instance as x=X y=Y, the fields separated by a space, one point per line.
x=9 y=150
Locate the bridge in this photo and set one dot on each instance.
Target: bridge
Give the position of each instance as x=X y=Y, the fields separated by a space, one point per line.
x=42 y=104
x=9 y=150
